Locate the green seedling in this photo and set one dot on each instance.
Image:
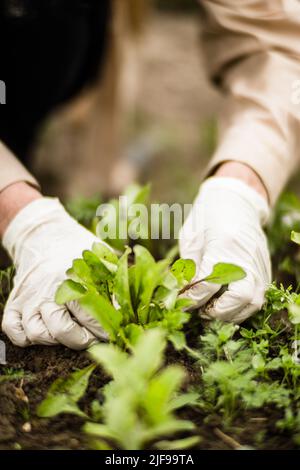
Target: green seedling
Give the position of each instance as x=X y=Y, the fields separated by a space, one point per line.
x=64 y=394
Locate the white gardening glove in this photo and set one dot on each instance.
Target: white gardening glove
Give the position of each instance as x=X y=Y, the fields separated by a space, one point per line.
x=225 y=226
x=42 y=241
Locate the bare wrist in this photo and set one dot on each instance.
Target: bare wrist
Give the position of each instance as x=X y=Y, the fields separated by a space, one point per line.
x=13 y=199
x=244 y=173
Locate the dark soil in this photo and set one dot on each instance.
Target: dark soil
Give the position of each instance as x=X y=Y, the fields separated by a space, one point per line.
x=19 y=399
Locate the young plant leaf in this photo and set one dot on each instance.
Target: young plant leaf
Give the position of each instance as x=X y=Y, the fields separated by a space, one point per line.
x=99 y=430
x=102 y=310
x=110 y=357
x=225 y=273
x=122 y=288
x=64 y=394
x=106 y=256
x=184 y=270
x=149 y=276
x=133 y=333
x=98 y=270
x=68 y=291
x=82 y=271
x=178 y=340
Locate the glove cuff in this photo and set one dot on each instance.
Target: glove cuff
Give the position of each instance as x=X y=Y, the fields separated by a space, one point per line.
x=241 y=189
x=32 y=216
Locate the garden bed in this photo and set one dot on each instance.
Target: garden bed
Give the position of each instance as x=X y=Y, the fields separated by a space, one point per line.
x=243 y=382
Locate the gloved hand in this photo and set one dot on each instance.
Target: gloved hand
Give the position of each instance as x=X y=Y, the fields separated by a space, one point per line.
x=225 y=226
x=42 y=241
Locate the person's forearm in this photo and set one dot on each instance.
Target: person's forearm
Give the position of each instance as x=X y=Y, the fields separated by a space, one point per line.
x=242 y=172
x=14 y=198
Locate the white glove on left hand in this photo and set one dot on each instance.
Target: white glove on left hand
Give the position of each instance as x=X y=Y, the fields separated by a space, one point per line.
x=43 y=240
x=225 y=226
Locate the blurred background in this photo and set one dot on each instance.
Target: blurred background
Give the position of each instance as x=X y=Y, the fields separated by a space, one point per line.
x=151 y=118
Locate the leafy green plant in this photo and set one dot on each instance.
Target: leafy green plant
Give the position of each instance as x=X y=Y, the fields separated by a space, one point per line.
x=126 y=299
x=232 y=386
x=235 y=372
x=64 y=394
x=254 y=366
x=139 y=403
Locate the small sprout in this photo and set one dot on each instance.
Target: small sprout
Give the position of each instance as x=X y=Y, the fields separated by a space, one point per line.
x=184 y=270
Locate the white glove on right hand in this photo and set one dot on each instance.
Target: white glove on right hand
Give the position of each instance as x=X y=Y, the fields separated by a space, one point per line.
x=43 y=240
x=225 y=226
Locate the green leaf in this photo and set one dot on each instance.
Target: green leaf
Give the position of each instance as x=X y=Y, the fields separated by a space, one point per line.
x=122 y=289
x=52 y=406
x=98 y=270
x=68 y=291
x=170 y=427
x=166 y=297
x=258 y=363
x=110 y=357
x=106 y=256
x=295 y=237
x=64 y=393
x=99 y=430
x=82 y=271
x=160 y=391
x=148 y=352
x=133 y=333
x=185 y=399
x=180 y=444
x=178 y=340
x=144 y=262
x=148 y=276
x=74 y=385
x=184 y=270
x=101 y=309
x=225 y=273
x=294 y=313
